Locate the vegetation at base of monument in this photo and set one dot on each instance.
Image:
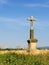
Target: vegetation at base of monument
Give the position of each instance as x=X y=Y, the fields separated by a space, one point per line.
x=22 y=59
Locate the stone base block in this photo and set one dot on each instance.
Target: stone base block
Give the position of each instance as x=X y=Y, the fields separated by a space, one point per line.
x=32 y=45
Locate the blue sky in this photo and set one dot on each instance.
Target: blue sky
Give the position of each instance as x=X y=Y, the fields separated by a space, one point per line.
x=14 y=27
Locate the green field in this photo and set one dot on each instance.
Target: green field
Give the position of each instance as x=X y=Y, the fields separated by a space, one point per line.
x=21 y=59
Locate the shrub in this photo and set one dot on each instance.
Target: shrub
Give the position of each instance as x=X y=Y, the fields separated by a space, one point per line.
x=22 y=59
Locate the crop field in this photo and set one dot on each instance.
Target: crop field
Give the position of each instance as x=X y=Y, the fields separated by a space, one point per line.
x=22 y=59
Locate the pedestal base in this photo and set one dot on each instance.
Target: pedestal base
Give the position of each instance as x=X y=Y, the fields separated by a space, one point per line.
x=32 y=44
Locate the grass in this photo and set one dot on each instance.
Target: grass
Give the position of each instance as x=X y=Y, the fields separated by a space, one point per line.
x=22 y=59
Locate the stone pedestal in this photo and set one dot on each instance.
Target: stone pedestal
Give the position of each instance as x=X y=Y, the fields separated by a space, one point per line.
x=32 y=44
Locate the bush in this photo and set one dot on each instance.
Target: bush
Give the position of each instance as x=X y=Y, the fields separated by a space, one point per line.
x=22 y=59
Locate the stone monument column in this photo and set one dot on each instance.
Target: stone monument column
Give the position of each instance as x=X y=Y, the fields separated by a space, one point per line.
x=31 y=42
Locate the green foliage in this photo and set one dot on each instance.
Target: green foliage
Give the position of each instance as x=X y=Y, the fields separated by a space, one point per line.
x=22 y=59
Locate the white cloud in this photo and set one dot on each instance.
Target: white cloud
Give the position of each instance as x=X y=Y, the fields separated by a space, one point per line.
x=4 y=19
x=19 y=21
x=23 y=22
x=37 y=5
x=3 y=1
x=41 y=24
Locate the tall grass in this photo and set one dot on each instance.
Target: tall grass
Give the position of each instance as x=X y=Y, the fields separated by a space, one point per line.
x=22 y=59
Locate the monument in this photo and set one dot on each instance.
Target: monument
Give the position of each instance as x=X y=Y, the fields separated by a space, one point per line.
x=31 y=42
